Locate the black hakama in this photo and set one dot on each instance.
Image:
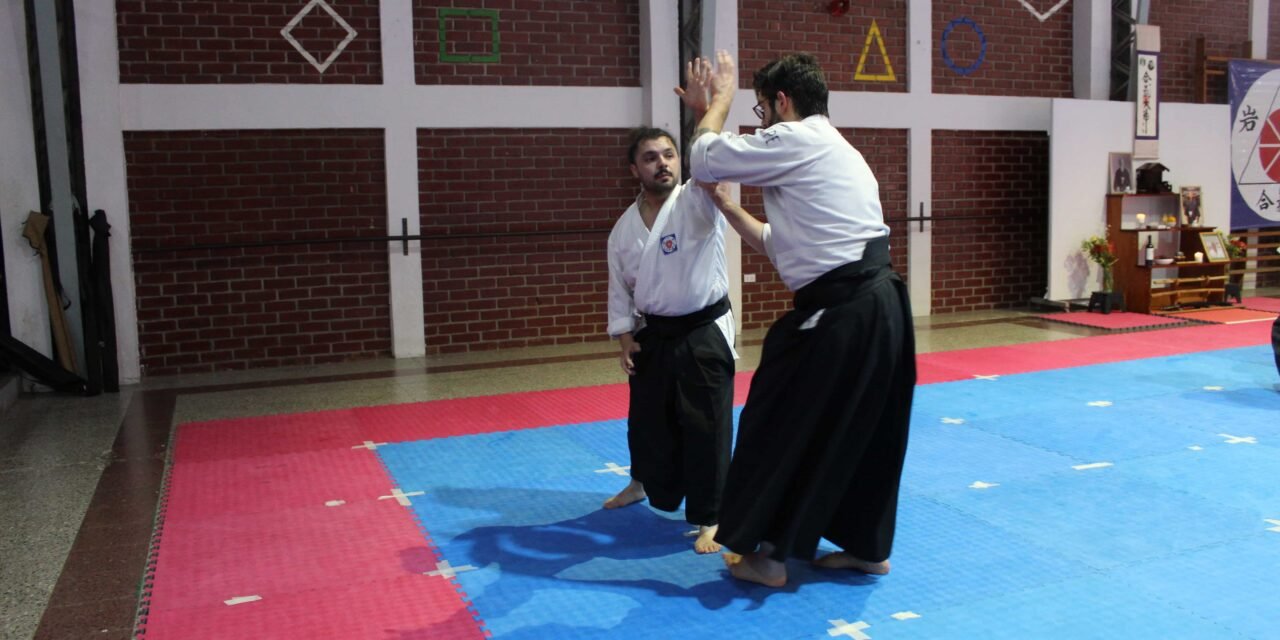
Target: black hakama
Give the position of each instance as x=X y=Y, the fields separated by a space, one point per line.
x=1275 y=341
x=823 y=435
x=680 y=424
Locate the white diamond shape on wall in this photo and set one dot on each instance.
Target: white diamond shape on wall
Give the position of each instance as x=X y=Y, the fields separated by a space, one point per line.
x=320 y=66
x=1046 y=15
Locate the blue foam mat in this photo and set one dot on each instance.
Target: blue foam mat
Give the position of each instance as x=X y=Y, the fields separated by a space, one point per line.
x=1170 y=540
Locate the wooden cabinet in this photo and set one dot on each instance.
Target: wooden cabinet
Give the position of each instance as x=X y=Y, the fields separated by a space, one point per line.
x=1160 y=287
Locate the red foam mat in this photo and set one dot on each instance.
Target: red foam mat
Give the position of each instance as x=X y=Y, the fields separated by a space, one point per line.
x=946 y=366
x=1262 y=304
x=271 y=435
x=405 y=608
x=203 y=562
x=1234 y=315
x=1116 y=321
x=251 y=484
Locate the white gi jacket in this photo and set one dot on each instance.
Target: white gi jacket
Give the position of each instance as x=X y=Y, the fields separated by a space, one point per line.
x=674 y=269
x=821 y=199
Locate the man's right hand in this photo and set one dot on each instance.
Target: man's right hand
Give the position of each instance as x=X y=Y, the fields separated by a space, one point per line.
x=629 y=346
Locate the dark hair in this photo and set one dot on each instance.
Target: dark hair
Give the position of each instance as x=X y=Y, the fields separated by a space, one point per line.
x=643 y=134
x=797 y=75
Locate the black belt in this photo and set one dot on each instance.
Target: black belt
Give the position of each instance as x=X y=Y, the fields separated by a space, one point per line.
x=840 y=283
x=679 y=325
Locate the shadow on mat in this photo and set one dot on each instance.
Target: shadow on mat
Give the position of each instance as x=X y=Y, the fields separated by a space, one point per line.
x=617 y=551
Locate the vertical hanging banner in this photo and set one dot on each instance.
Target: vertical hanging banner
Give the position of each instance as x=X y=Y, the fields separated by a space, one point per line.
x=1253 y=89
x=1146 y=132
x=1145 y=81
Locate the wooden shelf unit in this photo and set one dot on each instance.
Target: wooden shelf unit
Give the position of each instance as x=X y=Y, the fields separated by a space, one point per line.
x=1152 y=288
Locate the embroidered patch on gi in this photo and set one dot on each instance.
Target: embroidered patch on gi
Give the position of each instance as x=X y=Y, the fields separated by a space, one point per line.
x=669 y=244
x=769 y=136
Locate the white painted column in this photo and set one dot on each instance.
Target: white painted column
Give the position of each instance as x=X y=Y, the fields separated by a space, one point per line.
x=104 y=164
x=1259 y=13
x=919 y=159
x=19 y=183
x=920 y=192
x=62 y=200
x=660 y=63
x=720 y=32
x=1091 y=49
x=408 y=335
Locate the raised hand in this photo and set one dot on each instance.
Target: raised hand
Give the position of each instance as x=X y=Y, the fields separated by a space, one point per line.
x=697 y=79
x=724 y=81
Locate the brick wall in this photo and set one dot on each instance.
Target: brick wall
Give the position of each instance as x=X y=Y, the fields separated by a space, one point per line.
x=770 y=28
x=1273 y=30
x=223 y=309
x=1225 y=26
x=1001 y=259
x=221 y=41
x=537 y=205
x=1024 y=57
x=540 y=42
x=886 y=153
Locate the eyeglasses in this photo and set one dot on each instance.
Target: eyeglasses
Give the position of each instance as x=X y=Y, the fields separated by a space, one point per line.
x=759 y=109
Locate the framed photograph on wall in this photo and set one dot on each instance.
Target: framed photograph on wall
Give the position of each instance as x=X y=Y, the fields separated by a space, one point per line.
x=1215 y=248
x=1189 y=201
x=1119 y=172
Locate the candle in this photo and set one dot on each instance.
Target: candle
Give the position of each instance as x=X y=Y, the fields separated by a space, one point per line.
x=1142 y=219
x=1199 y=257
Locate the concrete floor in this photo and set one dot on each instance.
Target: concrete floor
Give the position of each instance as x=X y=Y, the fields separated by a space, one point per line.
x=54 y=449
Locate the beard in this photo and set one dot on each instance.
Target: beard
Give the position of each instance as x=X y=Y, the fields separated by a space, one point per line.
x=655 y=186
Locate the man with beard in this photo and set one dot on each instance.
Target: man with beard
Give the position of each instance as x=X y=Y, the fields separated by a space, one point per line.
x=669 y=310
x=823 y=435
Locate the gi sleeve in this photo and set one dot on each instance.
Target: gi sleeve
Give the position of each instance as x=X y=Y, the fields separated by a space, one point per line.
x=622 y=304
x=765 y=158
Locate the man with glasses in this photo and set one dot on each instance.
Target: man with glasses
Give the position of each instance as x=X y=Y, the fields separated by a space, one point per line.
x=822 y=437
x=669 y=310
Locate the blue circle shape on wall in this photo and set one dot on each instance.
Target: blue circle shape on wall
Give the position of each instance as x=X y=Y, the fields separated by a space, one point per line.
x=982 y=53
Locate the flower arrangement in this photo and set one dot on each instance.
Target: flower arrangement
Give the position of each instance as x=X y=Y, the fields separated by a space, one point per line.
x=1101 y=251
x=1236 y=247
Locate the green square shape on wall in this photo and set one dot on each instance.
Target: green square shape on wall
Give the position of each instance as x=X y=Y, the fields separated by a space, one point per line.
x=446 y=14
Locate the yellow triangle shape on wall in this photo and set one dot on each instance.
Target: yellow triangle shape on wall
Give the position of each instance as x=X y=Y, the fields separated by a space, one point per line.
x=860 y=74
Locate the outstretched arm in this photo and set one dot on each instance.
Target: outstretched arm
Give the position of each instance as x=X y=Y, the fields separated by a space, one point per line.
x=747 y=226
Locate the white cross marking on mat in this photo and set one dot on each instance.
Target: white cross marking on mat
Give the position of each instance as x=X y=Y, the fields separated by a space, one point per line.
x=1100 y=403
x=1092 y=465
x=953 y=421
x=983 y=485
x=979 y=377
x=443 y=569
x=1196 y=447
x=853 y=630
x=400 y=496
x=370 y=445
x=1239 y=439
x=241 y=600
x=905 y=615
x=1275 y=522
x=1213 y=388
x=613 y=468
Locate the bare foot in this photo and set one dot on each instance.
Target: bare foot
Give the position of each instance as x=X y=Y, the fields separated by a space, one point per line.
x=706 y=542
x=757 y=568
x=630 y=495
x=842 y=560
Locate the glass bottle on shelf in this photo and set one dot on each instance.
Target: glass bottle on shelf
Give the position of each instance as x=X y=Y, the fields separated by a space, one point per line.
x=1149 y=252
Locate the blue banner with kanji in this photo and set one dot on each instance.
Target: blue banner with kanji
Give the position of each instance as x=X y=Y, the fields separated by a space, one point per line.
x=1254 y=92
